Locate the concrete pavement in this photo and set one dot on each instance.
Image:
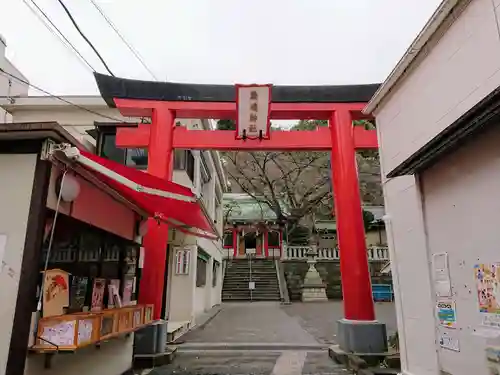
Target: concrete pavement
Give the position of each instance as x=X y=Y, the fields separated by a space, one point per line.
x=265 y=338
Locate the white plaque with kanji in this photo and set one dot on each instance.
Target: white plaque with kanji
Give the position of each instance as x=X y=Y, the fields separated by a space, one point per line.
x=253 y=106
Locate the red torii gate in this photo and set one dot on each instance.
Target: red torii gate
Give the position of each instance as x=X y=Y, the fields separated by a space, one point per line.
x=341 y=138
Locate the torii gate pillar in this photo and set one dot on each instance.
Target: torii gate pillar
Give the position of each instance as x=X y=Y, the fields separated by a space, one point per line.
x=358 y=331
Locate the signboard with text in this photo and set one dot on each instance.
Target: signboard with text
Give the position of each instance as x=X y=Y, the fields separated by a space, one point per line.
x=253 y=103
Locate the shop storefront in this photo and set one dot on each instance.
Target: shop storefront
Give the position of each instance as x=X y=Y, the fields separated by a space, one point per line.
x=70 y=247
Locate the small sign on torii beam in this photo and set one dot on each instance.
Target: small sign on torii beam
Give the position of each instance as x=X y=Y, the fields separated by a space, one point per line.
x=253 y=106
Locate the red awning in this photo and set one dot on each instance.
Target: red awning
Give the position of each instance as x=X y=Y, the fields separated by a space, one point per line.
x=163 y=200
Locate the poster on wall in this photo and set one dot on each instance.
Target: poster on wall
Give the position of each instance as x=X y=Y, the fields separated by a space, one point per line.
x=446 y=313
x=78 y=292
x=449 y=342
x=487 y=279
x=128 y=286
x=441 y=275
x=98 y=290
x=55 y=292
x=113 y=288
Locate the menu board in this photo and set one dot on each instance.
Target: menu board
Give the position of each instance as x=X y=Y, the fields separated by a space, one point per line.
x=137 y=318
x=84 y=331
x=107 y=325
x=78 y=292
x=60 y=334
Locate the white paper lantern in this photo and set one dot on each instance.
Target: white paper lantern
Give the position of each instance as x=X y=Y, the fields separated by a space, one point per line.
x=70 y=188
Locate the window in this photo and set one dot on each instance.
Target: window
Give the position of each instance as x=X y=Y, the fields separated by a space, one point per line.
x=190 y=165
x=184 y=160
x=180 y=159
x=228 y=239
x=182 y=259
x=205 y=169
x=137 y=158
x=201 y=268
x=109 y=149
x=273 y=239
x=215 y=271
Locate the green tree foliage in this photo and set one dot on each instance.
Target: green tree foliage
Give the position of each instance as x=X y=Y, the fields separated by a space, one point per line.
x=226 y=125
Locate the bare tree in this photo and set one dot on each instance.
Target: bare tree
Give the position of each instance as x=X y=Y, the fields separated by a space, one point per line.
x=296 y=185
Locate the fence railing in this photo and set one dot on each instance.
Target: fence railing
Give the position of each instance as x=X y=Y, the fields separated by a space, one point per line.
x=300 y=252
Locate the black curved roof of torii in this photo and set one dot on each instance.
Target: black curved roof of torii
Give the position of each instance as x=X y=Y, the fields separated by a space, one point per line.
x=124 y=88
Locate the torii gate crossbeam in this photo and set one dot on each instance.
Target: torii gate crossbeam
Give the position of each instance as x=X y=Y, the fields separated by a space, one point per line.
x=341 y=138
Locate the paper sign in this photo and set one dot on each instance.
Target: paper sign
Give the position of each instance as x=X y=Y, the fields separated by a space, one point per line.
x=447 y=313
x=251 y=285
x=487 y=277
x=447 y=341
x=140 y=262
x=441 y=275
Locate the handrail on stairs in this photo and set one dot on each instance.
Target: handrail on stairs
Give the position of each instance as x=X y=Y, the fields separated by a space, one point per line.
x=280 y=271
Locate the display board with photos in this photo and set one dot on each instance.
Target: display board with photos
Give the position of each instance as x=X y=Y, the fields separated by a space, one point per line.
x=94 y=260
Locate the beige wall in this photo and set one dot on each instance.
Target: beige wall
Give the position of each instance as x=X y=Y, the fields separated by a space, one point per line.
x=460 y=197
x=18 y=171
x=460 y=70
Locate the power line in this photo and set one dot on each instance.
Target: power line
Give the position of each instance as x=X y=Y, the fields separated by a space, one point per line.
x=129 y=45
x=84 y=37
x=38 y=88
x=59 y=35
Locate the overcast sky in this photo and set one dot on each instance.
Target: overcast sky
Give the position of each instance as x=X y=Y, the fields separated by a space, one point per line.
x=216 y=41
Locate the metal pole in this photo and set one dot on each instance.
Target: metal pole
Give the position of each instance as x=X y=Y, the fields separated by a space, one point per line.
x=250 y=282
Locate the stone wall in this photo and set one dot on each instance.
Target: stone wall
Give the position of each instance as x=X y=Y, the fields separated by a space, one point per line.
x=329 y=270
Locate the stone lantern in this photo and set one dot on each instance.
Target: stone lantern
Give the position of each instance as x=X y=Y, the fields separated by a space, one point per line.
x=313 y=289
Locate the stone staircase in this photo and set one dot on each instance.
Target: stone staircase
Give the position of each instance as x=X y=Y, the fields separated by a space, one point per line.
x=237 y=278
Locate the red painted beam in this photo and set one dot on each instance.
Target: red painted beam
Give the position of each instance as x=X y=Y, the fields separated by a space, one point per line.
x=365 y=139
x=312 y=140
x=221 y=110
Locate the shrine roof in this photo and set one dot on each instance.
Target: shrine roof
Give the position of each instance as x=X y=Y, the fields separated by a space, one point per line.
x=124 y=88
x=242 y=207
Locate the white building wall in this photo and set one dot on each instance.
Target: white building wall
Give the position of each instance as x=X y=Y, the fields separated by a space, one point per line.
x=461 y=68
x=461 y=210
x=14 y=203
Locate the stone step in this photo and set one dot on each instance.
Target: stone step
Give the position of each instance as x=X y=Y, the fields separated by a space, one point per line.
x=247 y=277
x=245 y=282
x=254 y=298
x=254 y=295
x=245 y=290
x=245 y=285
x=247 y=269
x=254 y=275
